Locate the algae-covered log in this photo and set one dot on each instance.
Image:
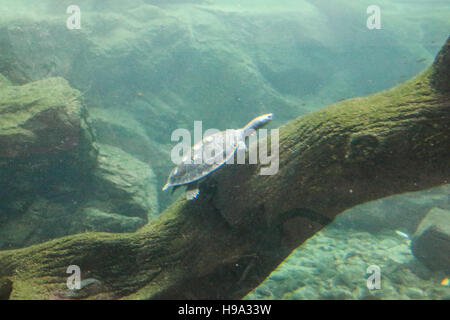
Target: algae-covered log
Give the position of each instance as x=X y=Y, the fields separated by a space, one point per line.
x=244 y=224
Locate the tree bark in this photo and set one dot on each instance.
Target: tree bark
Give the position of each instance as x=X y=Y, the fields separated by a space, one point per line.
x=243 y=225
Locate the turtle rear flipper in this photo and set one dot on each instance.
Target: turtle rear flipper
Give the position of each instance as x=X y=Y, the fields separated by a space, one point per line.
x=192 y=191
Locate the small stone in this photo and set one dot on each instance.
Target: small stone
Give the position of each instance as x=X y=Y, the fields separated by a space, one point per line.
x=336 y=294
x=431 y=242
x=414 y=293
x=263 y=292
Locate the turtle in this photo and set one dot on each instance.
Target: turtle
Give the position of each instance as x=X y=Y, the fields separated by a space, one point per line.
x=219 y=148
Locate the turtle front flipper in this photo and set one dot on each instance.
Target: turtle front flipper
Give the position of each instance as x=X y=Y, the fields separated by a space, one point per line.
x=192 y=191
x=173 y=189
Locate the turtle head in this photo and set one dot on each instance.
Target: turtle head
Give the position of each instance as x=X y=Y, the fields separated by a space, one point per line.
x=258 y=122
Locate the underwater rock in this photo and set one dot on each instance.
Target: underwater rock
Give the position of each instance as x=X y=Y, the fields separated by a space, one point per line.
x=399 y=212
x=441 y=76
x=42 y=117
x=415 y=293
x=54 y=180
x=121 y=197
x=46 y=154
x=164 y=81
x=431 y=242
x=39 y=49
x=118 y=128
x=125 y=183
x=90 y=287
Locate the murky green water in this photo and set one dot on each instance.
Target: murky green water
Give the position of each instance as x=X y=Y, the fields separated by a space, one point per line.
x=91 y=93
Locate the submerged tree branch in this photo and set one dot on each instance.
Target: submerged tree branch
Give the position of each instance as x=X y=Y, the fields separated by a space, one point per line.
x=243 y=225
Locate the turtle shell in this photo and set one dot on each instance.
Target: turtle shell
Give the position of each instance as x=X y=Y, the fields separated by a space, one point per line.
x=205 y=157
